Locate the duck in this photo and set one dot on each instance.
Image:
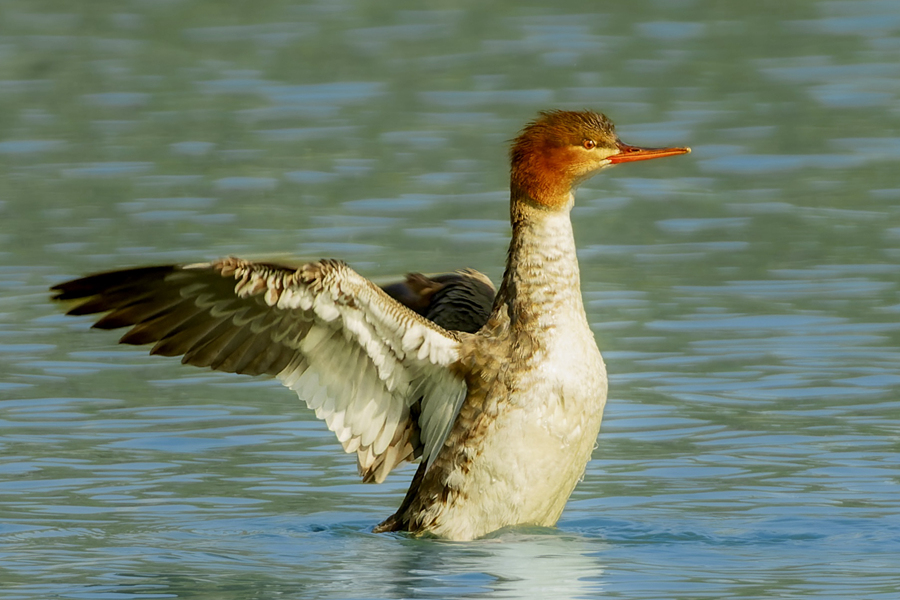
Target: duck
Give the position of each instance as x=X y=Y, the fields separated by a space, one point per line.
x=498 y=394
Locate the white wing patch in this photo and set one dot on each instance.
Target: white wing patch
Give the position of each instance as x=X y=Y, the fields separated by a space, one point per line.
x=377 y=373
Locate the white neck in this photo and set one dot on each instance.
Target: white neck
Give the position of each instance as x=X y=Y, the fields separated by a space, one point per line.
x=541 y=287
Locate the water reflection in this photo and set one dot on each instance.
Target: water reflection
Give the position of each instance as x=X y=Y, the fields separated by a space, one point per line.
x=510 y=565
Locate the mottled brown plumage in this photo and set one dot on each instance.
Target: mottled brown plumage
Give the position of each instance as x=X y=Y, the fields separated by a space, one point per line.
x=501 y=397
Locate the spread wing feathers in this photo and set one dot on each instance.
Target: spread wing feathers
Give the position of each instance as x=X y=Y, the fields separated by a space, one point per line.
x=375 y=371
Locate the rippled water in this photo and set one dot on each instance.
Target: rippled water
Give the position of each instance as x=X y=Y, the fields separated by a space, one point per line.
x=746 y=298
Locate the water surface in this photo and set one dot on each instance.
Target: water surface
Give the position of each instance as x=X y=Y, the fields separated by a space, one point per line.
x=745 y=297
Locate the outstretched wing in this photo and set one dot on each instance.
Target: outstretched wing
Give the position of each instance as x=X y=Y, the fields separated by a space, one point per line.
x=376 y=372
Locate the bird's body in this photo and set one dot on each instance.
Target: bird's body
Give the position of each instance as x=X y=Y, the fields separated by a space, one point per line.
x=536 y=391
x=504 y=416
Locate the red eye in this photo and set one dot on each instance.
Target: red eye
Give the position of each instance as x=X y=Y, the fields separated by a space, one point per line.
x=589 y=144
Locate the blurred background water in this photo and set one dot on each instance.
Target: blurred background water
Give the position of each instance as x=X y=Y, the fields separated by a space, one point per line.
x=746 y=297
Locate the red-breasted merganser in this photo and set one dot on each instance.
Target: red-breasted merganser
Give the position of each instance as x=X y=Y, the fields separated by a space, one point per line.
x=501 y=398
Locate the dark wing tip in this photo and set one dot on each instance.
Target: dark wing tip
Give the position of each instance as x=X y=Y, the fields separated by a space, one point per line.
x=100 y=283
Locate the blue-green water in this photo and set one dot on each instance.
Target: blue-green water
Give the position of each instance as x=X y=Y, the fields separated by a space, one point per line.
x=746 y=297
